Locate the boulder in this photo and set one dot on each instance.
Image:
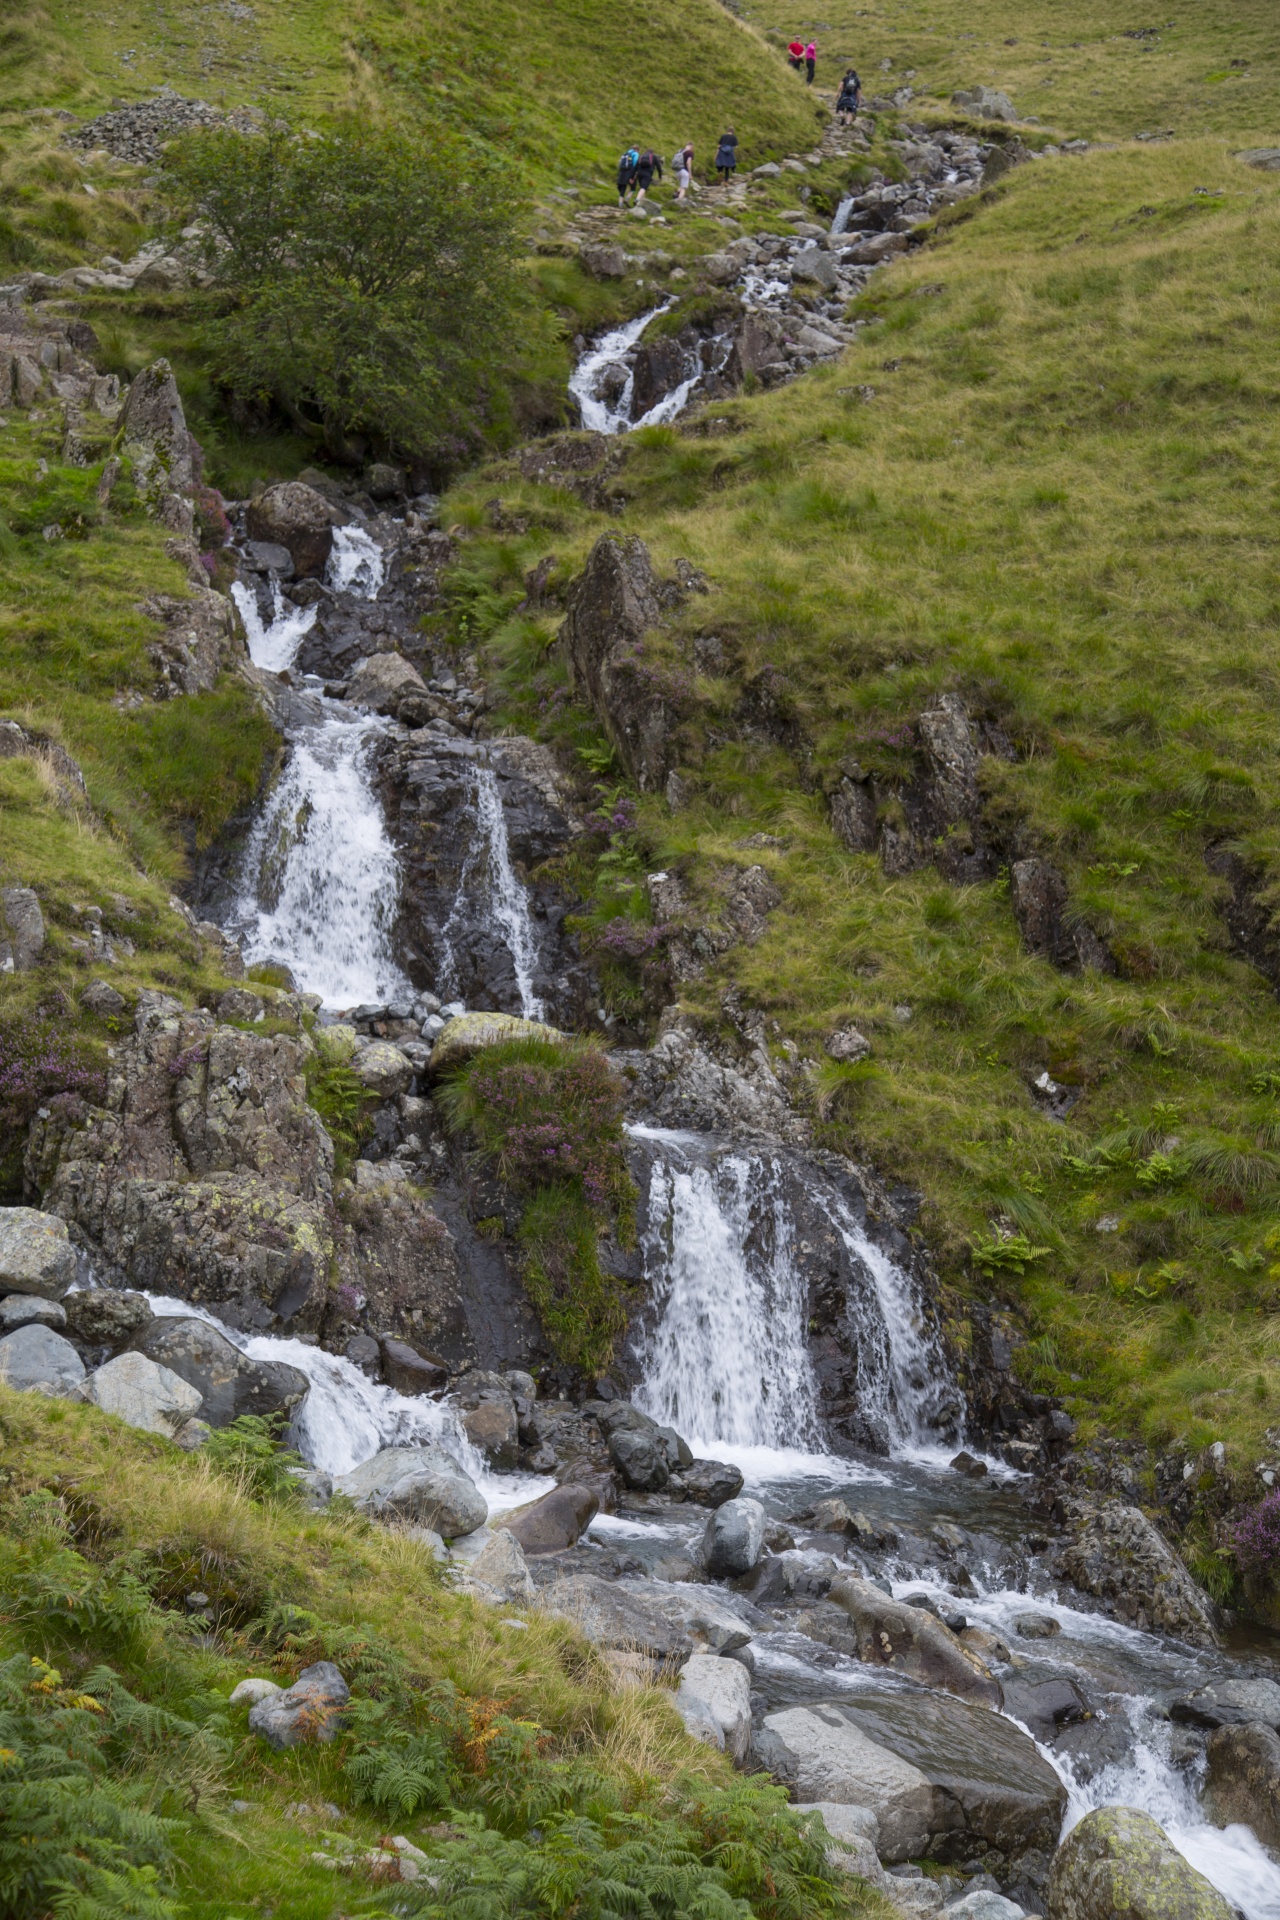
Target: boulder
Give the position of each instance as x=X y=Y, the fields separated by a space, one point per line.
x=30 y=1309
x=105 y=1317
x=387 y=683
x=701 y=1614
x=36 y=1256
x=297 y=517
x=470 y=1033
x=1242 y=1780
x=717 y=1693
x=21 y=929
x=640 y=1458
x=1229 y=1703
x=822 y=1757
x=1118 y=1556
x=1266 y=159
x=153 y=437
x=143 y=1394
x=487 y=1410
x=847 y=1044
x=615 y=1614
x=709 y=1483
x=984 y=1905
x=813 y=263
x=424 y=1484
x=409 y=1371
x=987 y=103
x=734 y=1538
x=499 y=1574
x=100 y=998
x=721 y=269
x=603 y=262
x=1041 y=908
x=556 y=1521
x=249 y=1692
x=1036 y=1626
x=383 y=1069
x=913 y=1641
x=987 y=1780
x=35 y=1359
x=877 y=247
x=612 y=605
x=1118 y=1865
x=229 y=1383
x=311 y=1709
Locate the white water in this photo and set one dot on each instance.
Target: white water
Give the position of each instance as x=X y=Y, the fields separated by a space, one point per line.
x=273 y=647
x=504 y=900
x=319 y=878
x=841 y=220
x=614 y=416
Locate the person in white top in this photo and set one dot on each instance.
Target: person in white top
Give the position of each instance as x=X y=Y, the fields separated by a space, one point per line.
x=684 y=170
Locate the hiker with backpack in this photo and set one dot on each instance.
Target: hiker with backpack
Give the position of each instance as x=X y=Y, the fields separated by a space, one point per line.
x=850 y=102
x=682 y=168
x=627 y=167
x=727 y=156
x=810 y=62
x=647 y=165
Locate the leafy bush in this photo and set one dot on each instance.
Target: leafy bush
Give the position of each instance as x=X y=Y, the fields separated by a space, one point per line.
x=551 y=1117
x=250 y=1451
x=368 y=269
x=345 y=1105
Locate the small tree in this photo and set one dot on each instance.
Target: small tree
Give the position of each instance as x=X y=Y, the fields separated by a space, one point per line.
x=369 y=272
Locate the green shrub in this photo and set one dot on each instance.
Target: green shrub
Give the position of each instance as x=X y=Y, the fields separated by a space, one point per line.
x=344 y=1104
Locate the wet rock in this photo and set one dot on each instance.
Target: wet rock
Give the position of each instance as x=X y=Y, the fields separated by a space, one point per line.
x=499 y=1574
x=1118 y=1556
x=556 y=1521
x=470 y=1033
x=822 y=1756
x=228 y=1381
x=488 y=1414
x=678 y=1083
x=387 y=683
x=424 y=1484
x=1036 y=1626
x=641 y=1460
x=1242 y=1780
x=153 y=436
x=21 y=929
x=103 y=1317
x=294 y=516
x=36 y=1256
x=310 y=1710
x=909 y=1639
x=30 y=1310
x=35 y=1359
x=614 y=1614
x=409 y=1371
x=967 y=1464
x=1041 y=908
x=144 y=1394
x=716 y=1694
x=734 y=1538
x=1044 y=1705
x=1118 y=1862
x=1229 y=1703
x=988 y=1646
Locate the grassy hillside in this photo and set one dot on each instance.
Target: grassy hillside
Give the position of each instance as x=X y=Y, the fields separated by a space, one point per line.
x=501 y=1750
x=1045 y=477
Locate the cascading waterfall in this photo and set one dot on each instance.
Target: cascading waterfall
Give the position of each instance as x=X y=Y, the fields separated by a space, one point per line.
x=504 y=901
x=319 y=878
x=841 y=221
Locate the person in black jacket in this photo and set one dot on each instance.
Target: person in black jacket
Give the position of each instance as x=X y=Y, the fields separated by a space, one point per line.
x=647 y=165
x=727 y=155
x=627 y=174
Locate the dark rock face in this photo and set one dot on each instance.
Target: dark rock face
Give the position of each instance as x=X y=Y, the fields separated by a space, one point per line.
x=447 y=935
x=231 y=1384
x=153 y=434
x=1242 y=1782
x=404 y=1263
x=613 y=604
x=1041 y=908
x=1248 y=919
x=1117 y=1555
x=556 y=1521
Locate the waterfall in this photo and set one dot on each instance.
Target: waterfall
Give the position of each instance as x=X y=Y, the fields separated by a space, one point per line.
x=841 y=221
x=504 y=901
x=272 y=647
x=726 y=1359
x=356 y=564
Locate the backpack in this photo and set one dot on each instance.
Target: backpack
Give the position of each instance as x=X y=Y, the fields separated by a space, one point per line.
x=629 y=161
x=679 y=162
x=649 y=159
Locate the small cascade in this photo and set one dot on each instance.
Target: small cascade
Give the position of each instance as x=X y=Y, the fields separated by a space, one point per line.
x=841 y=222
x=490 y=892
x=601 y=383
x=319 y=879
x=727 y=1357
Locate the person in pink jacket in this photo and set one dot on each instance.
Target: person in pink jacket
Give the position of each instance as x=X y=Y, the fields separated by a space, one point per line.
x=810 y=62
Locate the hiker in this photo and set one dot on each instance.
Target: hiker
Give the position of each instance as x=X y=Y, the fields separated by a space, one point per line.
x=682 y=168
x=795 y=53
x=727 y=155
x=647 y=165
x=850 y=102
x=627 y=173
x=810 y=62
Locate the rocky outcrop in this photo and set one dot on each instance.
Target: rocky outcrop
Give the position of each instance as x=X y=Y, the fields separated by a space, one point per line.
x=21 y=929
x=420 y=1484
x=1242 y=1780
x=678 y=1083
x=937 y=815
x=1117 y=1862
x=1041 y=907
x=197 y=639
x=226 y=1381
x=403 y=1262
x=1117 y=1555
x=912 y=1641
x=153 y=437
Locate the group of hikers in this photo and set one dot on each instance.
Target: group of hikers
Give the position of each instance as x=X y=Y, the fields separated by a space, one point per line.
x=637 y=169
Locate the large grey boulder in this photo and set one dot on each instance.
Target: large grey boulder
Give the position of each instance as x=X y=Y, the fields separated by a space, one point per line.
x=28 y=1309
x=715 y=1695
x=1229 y=1703
x=311 y=1709
x=1118 y=1865
x=228 y=1382
x=822 y=1756
x=613 y=604
x=988 y=1781
x=1242 y=1780
x=295 y=516
x=106 y=1316
x=143 y=1394
x=21 y=929
x=616 y=1614
x=37 y=1360
x=640 y=1458
x=153 y=437
x=556 y=1521
x=702 y=1616
x=988 y=103
x=814 y=263
x=1117 y=1555
x=36 y=1256
x=499 y=1574
x=734 y=1538
x=423 y=1484
x=912 y=1641
x=387 y=683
